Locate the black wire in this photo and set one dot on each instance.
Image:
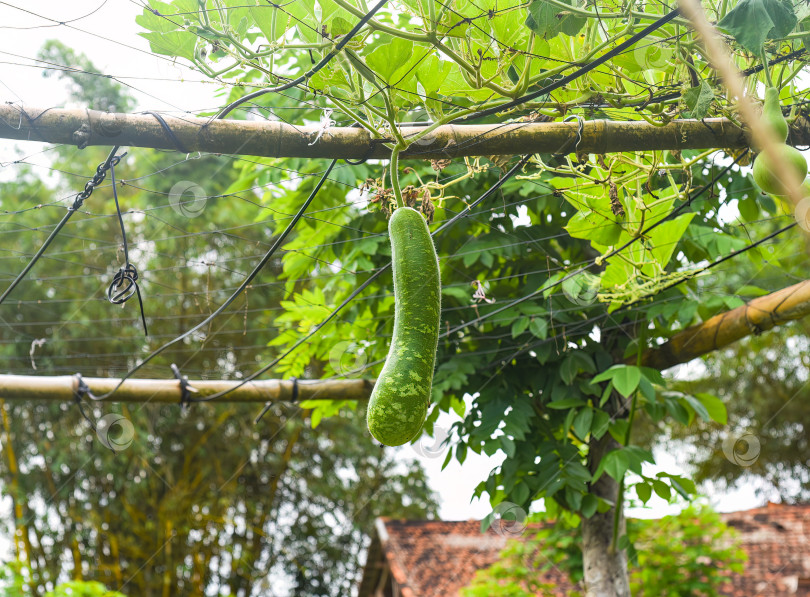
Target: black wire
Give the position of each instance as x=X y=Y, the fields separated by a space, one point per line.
x=332 y=53
x=716 y=262
x=100 y=175
x=576 y=74
x=600 y=259
x=169 y=132
x=512 y=171
x=125 y=281
x=236 y=292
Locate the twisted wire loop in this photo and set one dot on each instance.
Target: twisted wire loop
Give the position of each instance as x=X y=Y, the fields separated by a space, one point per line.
x=101 y=172
x=98 y=178
x=125 y=281
x=126 y=277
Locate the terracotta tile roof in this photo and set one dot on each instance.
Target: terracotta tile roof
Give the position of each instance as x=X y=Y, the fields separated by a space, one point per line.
x=433 y=558
x=437 y=558
x=776 y=538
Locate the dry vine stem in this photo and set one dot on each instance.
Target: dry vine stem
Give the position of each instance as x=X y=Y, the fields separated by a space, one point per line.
x=718 y=53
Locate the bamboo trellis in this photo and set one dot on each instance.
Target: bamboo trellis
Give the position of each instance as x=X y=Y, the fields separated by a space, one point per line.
x=82 y=127
x=759 y=315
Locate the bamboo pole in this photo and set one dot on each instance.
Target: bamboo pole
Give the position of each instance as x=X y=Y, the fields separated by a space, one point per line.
x=759 y=315
x=82 y=127
x=61 y=389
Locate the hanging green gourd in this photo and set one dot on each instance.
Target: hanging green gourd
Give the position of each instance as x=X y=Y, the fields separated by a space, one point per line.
x=400 y=399
x=765 y=172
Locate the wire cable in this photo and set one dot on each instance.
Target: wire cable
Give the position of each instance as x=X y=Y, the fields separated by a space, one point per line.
x=512 y=171
x=259 y=266
x=549 y=284
x=100 y=175
x=324 y=61
x=576 y=74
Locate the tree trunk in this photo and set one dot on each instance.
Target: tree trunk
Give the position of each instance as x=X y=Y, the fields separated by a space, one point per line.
x=605 y=570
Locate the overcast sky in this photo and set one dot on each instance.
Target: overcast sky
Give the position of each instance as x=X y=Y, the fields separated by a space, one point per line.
x=107 y=33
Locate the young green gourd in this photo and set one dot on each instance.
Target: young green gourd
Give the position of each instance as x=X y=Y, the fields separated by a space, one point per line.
x=772 y=116
x=765 y=174
x=400 y=399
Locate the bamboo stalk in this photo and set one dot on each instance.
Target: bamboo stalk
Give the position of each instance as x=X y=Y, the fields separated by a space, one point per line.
x=277 y=139
x=759 y=315
x=61 y=389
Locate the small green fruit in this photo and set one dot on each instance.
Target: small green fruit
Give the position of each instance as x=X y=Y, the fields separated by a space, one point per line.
x=765 y=175
x=772 y=114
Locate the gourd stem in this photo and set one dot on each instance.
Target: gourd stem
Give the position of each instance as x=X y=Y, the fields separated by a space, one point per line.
x=764 y=57
x=395 y=176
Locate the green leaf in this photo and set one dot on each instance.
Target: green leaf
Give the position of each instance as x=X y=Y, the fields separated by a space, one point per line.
x=644 y=492
x=582 y=423
x=520 y=493
x=595 y=226
x=699 y=99
x=153 y=22
x=539 y=327
x=589 y=504
x=173 y=43
x=751 y=22
x=715 y=407
x=565 y=403
x=697 y=406
x=600 y=424
x=662 y=489
x=749 y=290
x=519 y=326
x=664 y=239
x=615 y=464
x=625 y=378
x=749 y=209
x=575 y=362
x=431 y=74
x=677 y=411
x=683 y=486
x=548 y=20
x=390 y=58
x=508 y=446
x=618 y=429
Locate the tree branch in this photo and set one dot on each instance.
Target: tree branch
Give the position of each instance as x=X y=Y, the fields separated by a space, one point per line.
x=759 y=315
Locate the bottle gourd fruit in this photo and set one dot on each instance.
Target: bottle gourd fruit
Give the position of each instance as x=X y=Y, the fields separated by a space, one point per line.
x=772 y=116
x=765 y=175
x=400 y=399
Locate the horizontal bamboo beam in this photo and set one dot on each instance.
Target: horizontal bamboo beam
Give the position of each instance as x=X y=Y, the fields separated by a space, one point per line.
x=62 y=388
x=759 y=315
x=83 y=127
